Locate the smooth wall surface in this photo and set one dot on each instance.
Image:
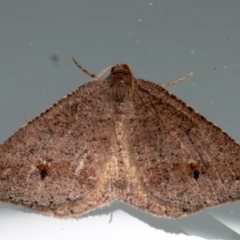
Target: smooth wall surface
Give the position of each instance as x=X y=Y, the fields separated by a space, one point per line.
x=162 y=41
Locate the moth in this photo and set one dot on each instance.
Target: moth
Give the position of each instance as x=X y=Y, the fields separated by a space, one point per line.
x=119 y=138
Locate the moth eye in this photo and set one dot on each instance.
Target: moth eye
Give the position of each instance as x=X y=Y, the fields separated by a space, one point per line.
x=112 y=69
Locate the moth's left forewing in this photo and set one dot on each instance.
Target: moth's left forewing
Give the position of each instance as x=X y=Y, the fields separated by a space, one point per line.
x=183 y=159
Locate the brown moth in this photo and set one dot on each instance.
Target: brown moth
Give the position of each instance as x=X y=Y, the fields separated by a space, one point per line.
x=119 y=138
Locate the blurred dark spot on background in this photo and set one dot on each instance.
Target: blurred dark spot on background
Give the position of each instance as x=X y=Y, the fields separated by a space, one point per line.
x=54 y=58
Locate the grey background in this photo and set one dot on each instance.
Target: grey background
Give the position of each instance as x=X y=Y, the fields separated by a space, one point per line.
x=162 y=41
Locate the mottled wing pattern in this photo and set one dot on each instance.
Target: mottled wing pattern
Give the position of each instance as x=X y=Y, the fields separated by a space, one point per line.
x=183 y=159
x=54 y=163
x=120 y=138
